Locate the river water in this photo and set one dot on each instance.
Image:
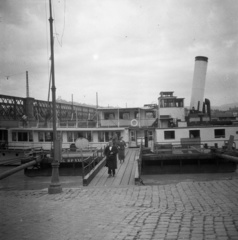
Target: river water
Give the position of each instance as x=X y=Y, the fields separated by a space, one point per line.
x=19 y=181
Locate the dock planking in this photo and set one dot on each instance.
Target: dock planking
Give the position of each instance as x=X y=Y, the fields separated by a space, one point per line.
x=128 y=170
x=121 y=169
x=124 y=173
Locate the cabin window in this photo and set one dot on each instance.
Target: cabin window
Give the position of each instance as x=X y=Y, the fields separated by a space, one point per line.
x=70 y=137
x=132 y=136
x=112 y=135
x=14 y=136
x=30 y=136
x=136 y=114
x=3 y=135
x=150 y=135
x=169 y=103
x=22 y=136
x=48 y=136
x=40 y=136
x=124 y=115
x=179 y=103
x=73 y=136
x=169 y=134
x=77 y=135
x=219 y=133
x=109 y=116
x=84 y=134
x=194 y=134
x=88 y=136
x=101 y=136
x=108 y=136
x=150 y=114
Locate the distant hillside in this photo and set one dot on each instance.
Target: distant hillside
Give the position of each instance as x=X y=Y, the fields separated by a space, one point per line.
x=60 y=100
x=225 y=107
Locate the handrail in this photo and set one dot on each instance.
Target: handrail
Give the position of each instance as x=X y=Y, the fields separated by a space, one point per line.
x=90 y=163
x=179 y=147
x=138 y=159
x=36 y=160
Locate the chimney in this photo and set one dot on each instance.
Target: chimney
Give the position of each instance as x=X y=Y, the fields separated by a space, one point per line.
x=198 y=88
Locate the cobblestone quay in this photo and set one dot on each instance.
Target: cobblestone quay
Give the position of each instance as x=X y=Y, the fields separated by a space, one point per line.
x=185 y=210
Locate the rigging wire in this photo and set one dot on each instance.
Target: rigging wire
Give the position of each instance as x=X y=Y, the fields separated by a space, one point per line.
x=7 y=76
x=64 y=22
x=60 y=41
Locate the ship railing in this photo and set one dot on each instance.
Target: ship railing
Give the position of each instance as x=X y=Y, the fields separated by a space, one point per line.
x=77 y=124
x=86 y=151
x=26 y=146
x=179 y=148
x=60 y=124
x=23 y=147
x=109 y=123
x=127 y=122
x=194 y=148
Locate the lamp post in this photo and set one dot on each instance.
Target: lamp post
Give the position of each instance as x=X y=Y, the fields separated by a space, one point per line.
x=55 y=186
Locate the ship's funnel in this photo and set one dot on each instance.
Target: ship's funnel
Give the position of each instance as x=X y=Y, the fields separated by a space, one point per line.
x=199 y=78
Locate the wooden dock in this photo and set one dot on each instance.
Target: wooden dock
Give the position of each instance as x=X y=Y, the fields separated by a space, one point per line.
x=125 y=172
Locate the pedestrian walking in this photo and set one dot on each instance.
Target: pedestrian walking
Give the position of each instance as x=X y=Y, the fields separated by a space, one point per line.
x=114 y=138
x=121 y=145
x=111 y=158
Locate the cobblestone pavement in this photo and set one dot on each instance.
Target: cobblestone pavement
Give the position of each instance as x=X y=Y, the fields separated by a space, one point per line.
x=185 y=210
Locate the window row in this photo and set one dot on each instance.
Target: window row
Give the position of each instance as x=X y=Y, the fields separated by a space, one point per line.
x=218 y=133
x=128 y=115
x=28 y=136
x=103 y=136
x=171 y=103
x=47 y=136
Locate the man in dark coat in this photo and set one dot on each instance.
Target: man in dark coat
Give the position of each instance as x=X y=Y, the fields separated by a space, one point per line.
x=111 y=158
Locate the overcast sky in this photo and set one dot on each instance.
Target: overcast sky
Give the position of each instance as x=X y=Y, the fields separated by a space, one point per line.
x=127 y=51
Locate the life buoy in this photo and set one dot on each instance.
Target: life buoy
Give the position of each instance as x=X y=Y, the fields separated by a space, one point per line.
x=134 y=122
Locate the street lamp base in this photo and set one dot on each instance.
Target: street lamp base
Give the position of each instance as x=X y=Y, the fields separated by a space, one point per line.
x=55 y=186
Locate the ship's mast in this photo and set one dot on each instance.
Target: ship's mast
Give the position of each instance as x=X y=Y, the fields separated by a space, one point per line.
x=55 y=186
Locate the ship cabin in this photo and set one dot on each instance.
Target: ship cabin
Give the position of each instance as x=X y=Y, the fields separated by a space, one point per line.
x=138 y=123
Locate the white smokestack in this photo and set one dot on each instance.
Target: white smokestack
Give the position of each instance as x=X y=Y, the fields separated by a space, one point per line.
x=199 y=77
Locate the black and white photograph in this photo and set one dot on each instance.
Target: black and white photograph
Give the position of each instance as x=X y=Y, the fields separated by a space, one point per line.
x=119 y=120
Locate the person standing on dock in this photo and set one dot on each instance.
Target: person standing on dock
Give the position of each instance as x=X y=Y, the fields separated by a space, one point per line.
x=111 y=158
x=121 y=145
